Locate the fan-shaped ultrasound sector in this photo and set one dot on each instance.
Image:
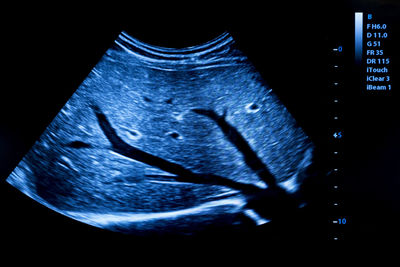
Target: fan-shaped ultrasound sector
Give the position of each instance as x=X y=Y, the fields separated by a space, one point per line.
x=162 y=139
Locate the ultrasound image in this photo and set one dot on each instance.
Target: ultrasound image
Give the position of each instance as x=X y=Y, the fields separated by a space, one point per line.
x=171 y=140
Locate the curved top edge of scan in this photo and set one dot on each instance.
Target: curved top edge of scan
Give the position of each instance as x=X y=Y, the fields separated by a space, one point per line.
x=154 y=52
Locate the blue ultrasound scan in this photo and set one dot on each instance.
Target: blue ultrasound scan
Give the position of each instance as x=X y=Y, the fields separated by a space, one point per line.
x=199 y=127
x=170 y=140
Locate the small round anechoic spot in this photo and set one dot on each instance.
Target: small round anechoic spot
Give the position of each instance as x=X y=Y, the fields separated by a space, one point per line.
x=174 y=135
x=133 y=134
x=252 y=108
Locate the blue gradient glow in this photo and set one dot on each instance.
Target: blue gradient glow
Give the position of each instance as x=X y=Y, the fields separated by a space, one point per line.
x=358 y=33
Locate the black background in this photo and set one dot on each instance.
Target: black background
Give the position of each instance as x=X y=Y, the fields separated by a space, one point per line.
x=50 y=50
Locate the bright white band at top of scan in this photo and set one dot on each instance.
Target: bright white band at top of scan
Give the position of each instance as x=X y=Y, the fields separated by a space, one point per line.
x=153 y=52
